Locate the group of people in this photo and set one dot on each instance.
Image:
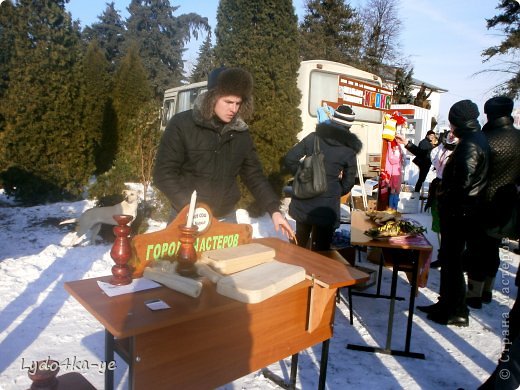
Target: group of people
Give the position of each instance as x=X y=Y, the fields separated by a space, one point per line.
x=467 y=197
x=476 y=188
x=208 y=147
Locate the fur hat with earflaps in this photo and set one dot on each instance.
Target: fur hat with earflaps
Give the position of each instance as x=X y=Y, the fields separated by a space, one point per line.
x=231 y=81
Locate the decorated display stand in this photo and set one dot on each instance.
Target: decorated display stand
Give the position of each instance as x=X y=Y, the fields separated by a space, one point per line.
x=166 y=244
x=369 y=101
x=392 y=159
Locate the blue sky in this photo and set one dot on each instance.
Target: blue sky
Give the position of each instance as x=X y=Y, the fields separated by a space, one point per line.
x=442 y=38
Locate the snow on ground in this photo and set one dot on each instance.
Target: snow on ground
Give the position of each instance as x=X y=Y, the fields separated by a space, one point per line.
x=38 y=318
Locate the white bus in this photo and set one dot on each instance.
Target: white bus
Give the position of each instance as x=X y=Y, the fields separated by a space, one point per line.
x=320 y=82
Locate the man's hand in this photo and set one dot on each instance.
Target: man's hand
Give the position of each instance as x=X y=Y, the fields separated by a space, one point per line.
x=280 y=222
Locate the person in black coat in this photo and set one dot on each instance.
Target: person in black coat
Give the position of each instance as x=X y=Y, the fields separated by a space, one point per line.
x=506 y=375
x=322 y=213
x=500 y=197
x=460 y=198
x=422 y=157
x=207 y=148
x=422 y=153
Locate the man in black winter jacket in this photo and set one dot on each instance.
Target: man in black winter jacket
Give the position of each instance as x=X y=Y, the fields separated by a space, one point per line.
x=460 y=198
x=206 y=148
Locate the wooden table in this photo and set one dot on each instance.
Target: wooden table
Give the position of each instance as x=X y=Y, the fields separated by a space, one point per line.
x=211 y=340
x=418 y=269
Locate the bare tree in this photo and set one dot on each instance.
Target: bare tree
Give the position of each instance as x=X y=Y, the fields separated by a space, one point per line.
x=382 y=27
x=507 y=51
x=147 y=136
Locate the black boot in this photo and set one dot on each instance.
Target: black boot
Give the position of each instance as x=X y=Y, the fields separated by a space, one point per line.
x=443 y=318
x=436 y=307
x=474 y=294
x=487 y=293
x=474 y=302
x=436 y=264
x=487 y=296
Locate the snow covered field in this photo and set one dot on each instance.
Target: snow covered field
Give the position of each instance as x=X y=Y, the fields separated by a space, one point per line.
x=38 y=318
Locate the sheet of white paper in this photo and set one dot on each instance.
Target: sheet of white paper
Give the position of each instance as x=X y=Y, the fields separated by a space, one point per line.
x=136 y=285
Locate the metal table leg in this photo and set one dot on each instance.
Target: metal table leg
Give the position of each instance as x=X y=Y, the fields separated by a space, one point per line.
x=323 y=364
x=109 y=357
x=411 y=306
x=387 y=350
x=378 y=289
x=294 y=369
x=393 y=292
x=279 y=380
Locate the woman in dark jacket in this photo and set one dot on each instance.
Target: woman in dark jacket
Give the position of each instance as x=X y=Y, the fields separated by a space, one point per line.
x=460 y=198
x=340 y=147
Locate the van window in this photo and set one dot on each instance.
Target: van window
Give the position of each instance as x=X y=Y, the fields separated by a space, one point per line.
x=168 y=112
x=186 y=99
x=323 y=86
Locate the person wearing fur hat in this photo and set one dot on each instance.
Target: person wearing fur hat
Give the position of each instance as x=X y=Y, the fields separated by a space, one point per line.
x=500 y=196
x=460 y=198
x=320 y=216
x=207 y=147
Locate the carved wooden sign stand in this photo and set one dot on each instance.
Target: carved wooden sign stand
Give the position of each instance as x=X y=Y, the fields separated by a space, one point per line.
x=165 y=244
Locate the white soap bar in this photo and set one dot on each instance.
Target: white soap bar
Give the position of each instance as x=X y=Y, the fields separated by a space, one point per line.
x=261 y=282
x=235 y=259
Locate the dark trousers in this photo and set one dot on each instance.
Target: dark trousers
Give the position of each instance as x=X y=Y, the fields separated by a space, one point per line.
x=321 y=236
x=456 y=231
x=483 y=258
x=423 y=172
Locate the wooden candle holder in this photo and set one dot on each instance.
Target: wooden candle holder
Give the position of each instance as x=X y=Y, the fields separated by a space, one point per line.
x=43 y=374
x=187 y=256
x=121 y=251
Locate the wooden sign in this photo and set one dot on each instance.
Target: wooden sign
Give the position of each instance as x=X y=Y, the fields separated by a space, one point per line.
x=164 y=244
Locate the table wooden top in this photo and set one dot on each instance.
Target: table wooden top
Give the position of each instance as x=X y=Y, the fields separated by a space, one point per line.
x=127 y=315
x=360 y=222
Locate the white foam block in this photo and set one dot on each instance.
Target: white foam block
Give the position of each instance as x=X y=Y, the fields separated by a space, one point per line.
x=261 y=282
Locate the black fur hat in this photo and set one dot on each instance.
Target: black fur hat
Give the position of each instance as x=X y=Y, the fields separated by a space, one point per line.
x=462 y=112
x=231 y=81
x=498 y=106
